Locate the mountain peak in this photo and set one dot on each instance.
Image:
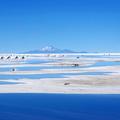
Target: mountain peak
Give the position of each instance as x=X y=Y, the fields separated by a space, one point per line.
x=50 y=49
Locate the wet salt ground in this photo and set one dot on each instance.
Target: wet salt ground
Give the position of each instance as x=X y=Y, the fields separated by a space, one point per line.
x=97 y=64
x=29 y=68
x=41 y=76
x=63 y=75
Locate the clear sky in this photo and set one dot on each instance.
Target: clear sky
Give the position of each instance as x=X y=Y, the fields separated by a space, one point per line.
x=91 y=25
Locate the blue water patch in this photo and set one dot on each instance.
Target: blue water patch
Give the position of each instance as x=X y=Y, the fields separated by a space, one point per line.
x=40 y=76
x=4 y=69
x=47 y=67
x=98 y=73
x=108 y=63
x=37 y=61
x=7 y=83
x=92 y=56
x=92 y=73
x=31 y=76
x=32 y=68
x=59 y=107
x=28 y=68
x=23 y=68
x=44 y=67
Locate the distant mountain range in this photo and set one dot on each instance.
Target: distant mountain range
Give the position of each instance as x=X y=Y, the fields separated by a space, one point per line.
x=51 y=49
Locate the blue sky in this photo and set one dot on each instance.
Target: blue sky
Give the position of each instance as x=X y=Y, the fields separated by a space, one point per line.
x=90 y=25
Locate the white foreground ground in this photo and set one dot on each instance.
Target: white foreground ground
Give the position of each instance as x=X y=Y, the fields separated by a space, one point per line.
x=78 y=84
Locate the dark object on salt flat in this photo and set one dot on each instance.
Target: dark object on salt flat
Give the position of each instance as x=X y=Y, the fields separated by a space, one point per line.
x=13 y=69
x=76 y=65
x=66 y=83
x=2 y=58
x=16 y=57
x=23 y=57
x=78 y=57
x=8 y=57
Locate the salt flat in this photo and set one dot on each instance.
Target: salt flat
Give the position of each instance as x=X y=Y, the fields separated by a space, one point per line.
x=67 y=73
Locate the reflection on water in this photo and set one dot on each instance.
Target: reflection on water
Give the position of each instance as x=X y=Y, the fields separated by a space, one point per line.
x=39 y=61
x=31 y=76
x=61 y=75
x=108 y=63
x=92 y=73
x=31 y=68
x=4 y=83
x=40 y=76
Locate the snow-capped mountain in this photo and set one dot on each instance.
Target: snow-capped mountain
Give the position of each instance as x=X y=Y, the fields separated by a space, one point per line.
x=50 y=49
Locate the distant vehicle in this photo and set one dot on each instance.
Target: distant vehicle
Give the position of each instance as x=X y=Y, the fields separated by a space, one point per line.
x=13 y=69
x=8 y=57
x=16 y=57
x=2 y=58
x=76 y=64
x=23 y=57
